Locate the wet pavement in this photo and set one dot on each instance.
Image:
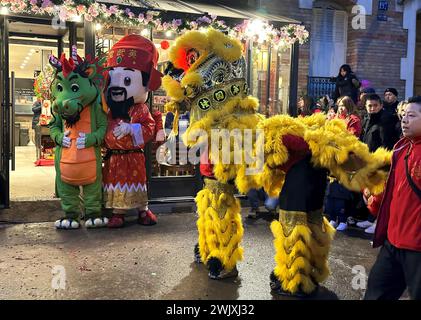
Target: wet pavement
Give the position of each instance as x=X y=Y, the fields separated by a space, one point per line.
x=156 y=262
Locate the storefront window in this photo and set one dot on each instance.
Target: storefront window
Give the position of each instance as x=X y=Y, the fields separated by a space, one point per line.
x=271 y=86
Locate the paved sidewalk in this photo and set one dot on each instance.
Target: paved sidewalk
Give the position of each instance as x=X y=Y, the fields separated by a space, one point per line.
x=154 y=262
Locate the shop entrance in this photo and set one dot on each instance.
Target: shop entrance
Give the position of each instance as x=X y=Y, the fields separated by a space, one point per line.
x=27 y=170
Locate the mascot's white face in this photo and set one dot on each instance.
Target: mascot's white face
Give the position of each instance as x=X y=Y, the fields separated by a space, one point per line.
x=126 y=83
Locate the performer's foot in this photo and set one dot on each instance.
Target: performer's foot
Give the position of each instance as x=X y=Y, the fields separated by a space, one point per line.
x=116 y=221
x=147 y=218
x=253 y=213
x=276 y=288
x=67 y=224
x=96 y=222
x=217 y=272
x=197 y=257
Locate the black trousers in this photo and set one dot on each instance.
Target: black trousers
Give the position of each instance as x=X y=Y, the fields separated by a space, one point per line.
x=394 y=270
x=304 y=187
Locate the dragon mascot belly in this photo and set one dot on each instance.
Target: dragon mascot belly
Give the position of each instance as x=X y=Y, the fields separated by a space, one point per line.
x=290 y=158
x=78 y=128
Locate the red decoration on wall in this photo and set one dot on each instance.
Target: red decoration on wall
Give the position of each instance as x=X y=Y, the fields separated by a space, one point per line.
x=165 y=44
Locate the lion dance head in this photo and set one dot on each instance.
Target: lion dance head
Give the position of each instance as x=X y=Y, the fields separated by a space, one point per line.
x=206 y=70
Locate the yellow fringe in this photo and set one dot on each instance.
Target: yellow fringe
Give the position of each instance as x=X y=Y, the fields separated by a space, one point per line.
x=220 y=227
x=302 y=255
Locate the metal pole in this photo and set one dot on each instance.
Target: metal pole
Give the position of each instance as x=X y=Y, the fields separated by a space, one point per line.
x=60 y=46
x=148 y=147
x=293 y=80
x=89 y=39
x=268 y=77
x=72 y=36
x=249 y=64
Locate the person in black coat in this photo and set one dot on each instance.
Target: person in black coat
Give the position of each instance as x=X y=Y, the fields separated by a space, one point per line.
x=390 y=105
x=378 y=126
x=36 y=109
x=347 y=84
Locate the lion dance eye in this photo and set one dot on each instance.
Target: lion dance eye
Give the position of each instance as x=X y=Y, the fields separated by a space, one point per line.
x=192 y=56
x=127 y=81
x=59 y=87
x=75 y=87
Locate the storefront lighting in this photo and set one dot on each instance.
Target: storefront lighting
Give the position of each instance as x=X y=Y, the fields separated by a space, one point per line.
x=76 y=18
x=98 y=27
x=4 y=11
x=168 y=33
x=255 y=27
x=32 y=50
x=144 y=32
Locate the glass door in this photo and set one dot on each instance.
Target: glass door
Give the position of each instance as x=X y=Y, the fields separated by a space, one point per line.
x=4 y=113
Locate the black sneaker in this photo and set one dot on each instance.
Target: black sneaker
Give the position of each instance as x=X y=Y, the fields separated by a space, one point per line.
x=197 y=257
x=276 y=288
x=253 y=214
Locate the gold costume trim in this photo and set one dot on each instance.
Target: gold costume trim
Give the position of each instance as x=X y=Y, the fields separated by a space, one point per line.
x=125 y=199
x=217 y=97
x=217 y=187
x=290 y=219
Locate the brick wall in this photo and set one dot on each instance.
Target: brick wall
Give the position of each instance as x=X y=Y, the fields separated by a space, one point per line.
x=375 y=53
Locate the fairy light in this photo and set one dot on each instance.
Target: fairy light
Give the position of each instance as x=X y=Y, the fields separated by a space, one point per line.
x=4 y=11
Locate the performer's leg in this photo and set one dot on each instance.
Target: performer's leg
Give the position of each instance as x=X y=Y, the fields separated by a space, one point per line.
x=92 y=194
x=220 y=229
x=386 y=280
x=145 y=216
x=303 y=235
x=70 y=204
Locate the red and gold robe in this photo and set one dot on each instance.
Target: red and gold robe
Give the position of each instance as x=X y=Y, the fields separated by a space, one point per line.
x=124 y=175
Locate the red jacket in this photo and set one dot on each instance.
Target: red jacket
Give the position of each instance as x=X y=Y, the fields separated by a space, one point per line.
x=353 y=124
x=404 y=231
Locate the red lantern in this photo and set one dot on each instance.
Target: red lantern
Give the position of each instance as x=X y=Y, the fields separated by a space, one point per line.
x=165 y=44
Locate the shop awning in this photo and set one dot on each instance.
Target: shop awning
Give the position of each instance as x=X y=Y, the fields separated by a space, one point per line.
x=201 y=8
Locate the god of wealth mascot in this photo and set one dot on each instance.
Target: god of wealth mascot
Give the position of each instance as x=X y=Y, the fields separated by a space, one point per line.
x=78 y=128
x=131 y=75
x=292 y=157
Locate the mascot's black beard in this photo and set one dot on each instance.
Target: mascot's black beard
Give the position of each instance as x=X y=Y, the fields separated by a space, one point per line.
x=120 y=109
x=70 y=121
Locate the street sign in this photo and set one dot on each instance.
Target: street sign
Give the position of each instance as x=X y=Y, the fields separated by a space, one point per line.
x=383 y=5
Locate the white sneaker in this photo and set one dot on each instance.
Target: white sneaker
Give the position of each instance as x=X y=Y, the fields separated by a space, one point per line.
x=371 y=229
x=364 y=224
x=350 y=221
x=342 y=226
x=333 y=223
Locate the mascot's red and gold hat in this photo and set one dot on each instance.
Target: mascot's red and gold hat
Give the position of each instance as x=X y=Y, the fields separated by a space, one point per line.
x=136 y=52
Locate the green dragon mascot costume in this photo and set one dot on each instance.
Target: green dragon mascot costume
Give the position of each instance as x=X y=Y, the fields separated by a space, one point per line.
x=78 y=128
x=291 y=159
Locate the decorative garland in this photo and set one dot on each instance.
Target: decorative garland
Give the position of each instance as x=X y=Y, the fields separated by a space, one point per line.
x=43 y=82
x=68 y=10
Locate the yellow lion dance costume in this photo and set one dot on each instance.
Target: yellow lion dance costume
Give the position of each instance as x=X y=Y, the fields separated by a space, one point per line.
x=291 y=157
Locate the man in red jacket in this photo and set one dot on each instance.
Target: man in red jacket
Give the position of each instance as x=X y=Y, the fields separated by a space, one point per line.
x=398 y=265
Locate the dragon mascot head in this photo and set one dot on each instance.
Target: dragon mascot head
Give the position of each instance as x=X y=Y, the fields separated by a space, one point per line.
x=75 y=85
